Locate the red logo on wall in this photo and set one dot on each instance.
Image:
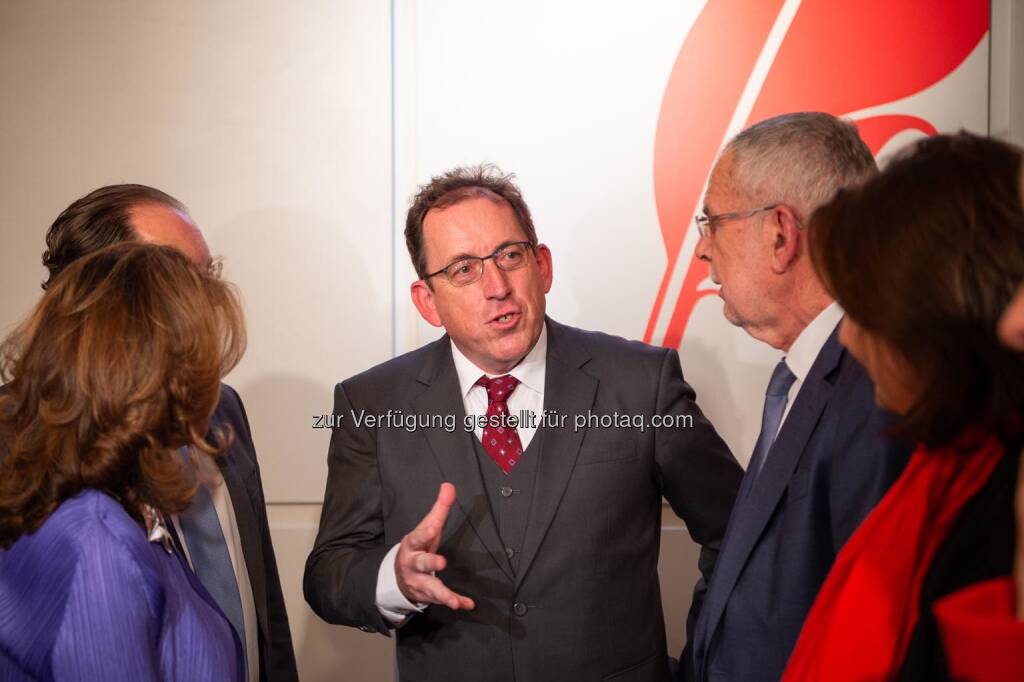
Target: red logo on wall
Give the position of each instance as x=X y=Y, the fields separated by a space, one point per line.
x=836 y=56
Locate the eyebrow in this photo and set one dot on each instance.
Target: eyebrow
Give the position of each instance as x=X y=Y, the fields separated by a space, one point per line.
x=464 y=255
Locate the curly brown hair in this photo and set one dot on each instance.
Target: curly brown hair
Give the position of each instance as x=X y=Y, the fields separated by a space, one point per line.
x=116 y=369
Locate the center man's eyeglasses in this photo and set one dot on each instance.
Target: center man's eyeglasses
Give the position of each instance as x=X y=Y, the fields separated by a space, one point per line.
x=469 y=269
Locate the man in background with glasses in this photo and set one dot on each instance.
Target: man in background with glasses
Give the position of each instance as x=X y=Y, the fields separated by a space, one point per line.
x=821 y=461
x=225 y=534
x=525 y=545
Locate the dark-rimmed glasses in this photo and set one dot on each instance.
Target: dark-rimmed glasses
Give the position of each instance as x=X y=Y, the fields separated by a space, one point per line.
x=470 y=269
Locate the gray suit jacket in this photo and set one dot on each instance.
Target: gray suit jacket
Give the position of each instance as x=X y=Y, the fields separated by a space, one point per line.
x=585 y=602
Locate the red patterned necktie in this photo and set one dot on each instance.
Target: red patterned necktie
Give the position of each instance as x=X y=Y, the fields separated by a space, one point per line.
x=501 y=442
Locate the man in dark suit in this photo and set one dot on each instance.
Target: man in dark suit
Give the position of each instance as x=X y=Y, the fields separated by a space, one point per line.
x=538 y=559
x=821 y=462
x=225 y=533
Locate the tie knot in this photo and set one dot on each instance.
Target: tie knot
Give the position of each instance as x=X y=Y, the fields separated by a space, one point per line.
x=781 y=381
x=499 y=388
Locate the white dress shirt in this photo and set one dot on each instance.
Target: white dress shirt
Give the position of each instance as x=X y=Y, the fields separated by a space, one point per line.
x=210 y=476
x=806 y=348
x=528 y=396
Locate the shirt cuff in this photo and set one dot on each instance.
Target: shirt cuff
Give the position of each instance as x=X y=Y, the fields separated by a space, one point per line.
x=391 y=603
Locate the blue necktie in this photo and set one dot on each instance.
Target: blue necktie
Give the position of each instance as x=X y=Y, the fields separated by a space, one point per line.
x=775 y=399
x=210 y=558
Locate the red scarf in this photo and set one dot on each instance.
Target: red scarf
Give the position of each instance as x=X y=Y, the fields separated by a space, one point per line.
x=862 y=619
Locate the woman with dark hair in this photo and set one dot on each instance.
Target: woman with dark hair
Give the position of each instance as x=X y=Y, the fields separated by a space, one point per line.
x=924 y=258
x=111 y=384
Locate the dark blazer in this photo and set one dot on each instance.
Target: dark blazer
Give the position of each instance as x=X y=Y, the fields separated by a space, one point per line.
x=828 y=467
x=585 y=601
x=241 y=474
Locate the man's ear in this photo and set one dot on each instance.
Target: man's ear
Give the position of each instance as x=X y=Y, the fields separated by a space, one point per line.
x=543 y=255
x=787 y=237
x=423 y=299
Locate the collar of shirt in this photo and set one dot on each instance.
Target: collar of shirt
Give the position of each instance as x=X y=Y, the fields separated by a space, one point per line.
x=811 y=340
x=530 y=371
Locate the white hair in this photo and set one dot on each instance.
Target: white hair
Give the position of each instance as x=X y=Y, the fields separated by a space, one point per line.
x=800 y=159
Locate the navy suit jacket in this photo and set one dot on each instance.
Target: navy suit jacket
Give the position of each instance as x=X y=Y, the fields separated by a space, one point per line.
x=830 y=464
x=241 y=474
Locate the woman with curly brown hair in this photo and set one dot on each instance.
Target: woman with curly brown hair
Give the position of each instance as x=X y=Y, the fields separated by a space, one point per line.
x=924 y=258
x=111 y=384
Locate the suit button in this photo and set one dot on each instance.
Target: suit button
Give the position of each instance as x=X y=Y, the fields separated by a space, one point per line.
x=520 y=609
x=506 y=491
x=366 y=628
x=509 y=552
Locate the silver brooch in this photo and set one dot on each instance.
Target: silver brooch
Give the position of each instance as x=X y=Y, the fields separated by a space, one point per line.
x=158 y=529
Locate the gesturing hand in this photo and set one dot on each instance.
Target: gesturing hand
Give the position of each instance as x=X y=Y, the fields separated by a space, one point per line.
x=417 y=560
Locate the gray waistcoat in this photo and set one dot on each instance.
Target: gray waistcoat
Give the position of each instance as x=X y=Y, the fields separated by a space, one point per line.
x=511 y=495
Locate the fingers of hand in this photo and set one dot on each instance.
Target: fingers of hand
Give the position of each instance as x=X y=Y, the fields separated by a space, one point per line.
x=417 y=560
x=419 y=584
x=435 y=592
x=439 y=512
x=425 y=562
x=423 y=538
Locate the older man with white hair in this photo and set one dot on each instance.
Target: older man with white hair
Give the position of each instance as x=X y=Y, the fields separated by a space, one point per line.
x=821 y=461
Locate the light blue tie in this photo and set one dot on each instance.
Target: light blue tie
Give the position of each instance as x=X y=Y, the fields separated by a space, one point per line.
x=210 y=558
x=775 y=399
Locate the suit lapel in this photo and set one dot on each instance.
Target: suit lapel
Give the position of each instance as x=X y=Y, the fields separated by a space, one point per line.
x=569 y=391
x=453 y=451
x=249 y=537
x=759 y=498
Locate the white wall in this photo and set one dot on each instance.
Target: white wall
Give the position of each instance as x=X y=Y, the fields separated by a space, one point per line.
x=1007 y=75
x=296 y=133
x=272 y=122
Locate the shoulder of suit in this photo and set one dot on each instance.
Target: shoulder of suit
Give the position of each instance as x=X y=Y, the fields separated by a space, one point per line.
x=606 y=346
x=850 y=374
x=229 y=408
x=229 y=397
x=853 y=390
x=599 y=345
